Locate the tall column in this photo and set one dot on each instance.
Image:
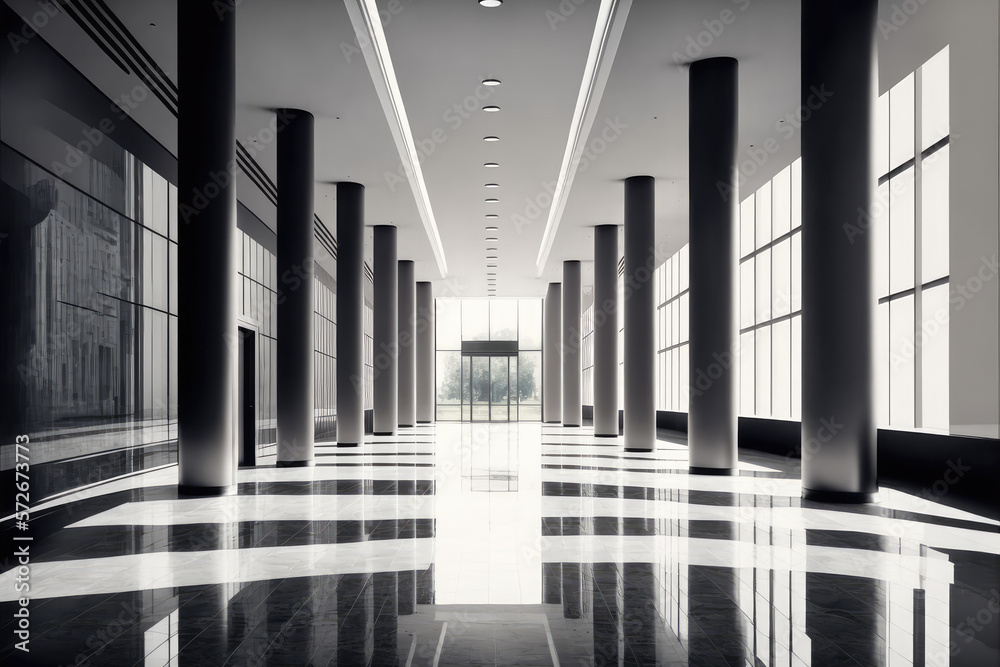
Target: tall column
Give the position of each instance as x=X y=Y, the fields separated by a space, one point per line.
x=385 y=331
x=640 y=315
x=714 y=252
x=407 y=337
x=426 y=388
x=552 y=354
x=572 y=368
x=606 y=331
x=206 y=282
x=840 y=82
x=350 y=314
x=296 y=311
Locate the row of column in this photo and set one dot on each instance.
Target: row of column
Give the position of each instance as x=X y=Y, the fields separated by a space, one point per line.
x=208 y=297
x=838 y=428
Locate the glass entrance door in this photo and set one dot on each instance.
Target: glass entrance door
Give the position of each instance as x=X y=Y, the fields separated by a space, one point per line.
x=493 y=381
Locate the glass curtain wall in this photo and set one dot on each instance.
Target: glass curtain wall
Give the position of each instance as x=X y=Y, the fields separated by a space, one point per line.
x=484 y=387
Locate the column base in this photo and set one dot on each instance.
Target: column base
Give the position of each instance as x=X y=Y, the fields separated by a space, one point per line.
x=384 y=433
x=552 y=421
x=571 y=425
x=698 y=470
x=429 y=421
x=843 y=497
x=296 y=464
x=407 y=425
x=188 y=490
x=606 y=435
x=638 y=450
x=347 y=444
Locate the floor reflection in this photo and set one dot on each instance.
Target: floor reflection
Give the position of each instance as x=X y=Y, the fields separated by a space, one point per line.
x=507 y=544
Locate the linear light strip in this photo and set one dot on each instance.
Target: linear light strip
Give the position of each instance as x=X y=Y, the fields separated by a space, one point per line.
x=611 y=19
x=368 y=28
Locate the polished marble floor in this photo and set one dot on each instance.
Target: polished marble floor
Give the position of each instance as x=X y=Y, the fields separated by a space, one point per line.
x=519 y=544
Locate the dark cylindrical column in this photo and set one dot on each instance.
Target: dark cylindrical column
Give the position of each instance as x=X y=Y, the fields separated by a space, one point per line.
x=295 y=312
x=572 y=368
x=206 y=281
x=350 y=314
x=385 y=331
x=714 y=252
x=552 y=353
x=606 y=331
x=840 y=86
x=426 y=389
x=407 y=337
x=640 y=315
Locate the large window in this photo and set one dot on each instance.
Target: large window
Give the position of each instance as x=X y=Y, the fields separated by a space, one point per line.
x=910 y=218
x=672 y=295
x=771 y=298
x=472 y=386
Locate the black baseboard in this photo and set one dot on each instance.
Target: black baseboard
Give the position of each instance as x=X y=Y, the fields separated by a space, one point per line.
x=203 y=491
x=296 y=464
x=840 y=497
x=954 y=470
x=719 y=472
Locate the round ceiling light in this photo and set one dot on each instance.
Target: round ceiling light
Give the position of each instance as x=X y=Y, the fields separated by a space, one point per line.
x=492 y=200
x=491 y=82
x=490 y=3
x=492 y=165
x=493 y=185
x=492 y=216
x=491 y=108
x=491 y=138
x=492 y=229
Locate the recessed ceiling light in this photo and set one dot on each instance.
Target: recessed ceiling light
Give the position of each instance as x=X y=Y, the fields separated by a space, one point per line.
x=491 y=200
x=492 y=165
x=491 y=3
x=492 y=216
x=490 y=238
x=491 y=82
x=492 y=229
x=491 y=108
x=491 y=138
x=493 y=250
x=493 y=185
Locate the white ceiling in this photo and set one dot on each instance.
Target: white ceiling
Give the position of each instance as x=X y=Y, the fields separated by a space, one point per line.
x=302 y=53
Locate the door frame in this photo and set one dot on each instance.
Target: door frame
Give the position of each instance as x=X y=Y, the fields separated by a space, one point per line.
x=246 y=447
x=489 y=374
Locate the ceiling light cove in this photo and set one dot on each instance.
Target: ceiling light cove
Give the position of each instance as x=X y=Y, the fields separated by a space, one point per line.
x=611 y=18
x=367 y=25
